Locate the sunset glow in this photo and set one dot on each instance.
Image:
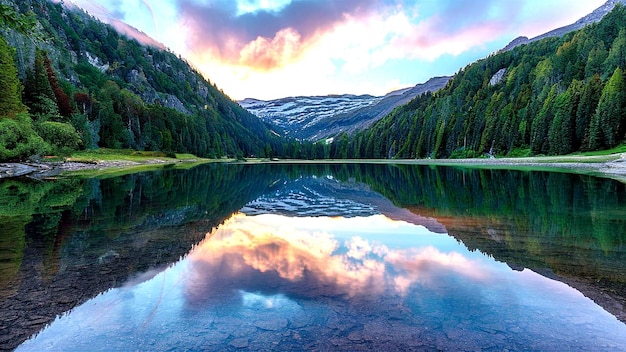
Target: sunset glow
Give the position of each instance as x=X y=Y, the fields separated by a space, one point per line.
x=328 y=252
x=275 y=48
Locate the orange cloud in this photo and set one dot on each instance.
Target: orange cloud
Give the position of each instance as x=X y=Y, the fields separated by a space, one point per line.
x=266 y=54
x=264 y=39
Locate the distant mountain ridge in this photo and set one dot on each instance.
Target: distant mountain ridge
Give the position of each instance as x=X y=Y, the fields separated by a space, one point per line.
x=318 y=117
x=593 y=17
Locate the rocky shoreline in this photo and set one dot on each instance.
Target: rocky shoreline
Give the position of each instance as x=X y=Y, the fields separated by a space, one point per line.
x=43 y=170
x=613 y=169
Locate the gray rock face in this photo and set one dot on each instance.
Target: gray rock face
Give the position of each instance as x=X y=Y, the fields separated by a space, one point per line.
x=497 y=78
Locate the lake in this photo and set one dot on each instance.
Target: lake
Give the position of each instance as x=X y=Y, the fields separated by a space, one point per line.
x=314 y=257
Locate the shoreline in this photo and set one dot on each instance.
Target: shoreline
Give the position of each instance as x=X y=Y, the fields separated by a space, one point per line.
x=611 y=166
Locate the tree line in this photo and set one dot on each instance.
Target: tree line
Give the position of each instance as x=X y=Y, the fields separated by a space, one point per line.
x=71 y=82
x=557 y=96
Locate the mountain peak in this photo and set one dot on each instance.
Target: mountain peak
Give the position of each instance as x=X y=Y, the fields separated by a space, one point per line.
x=319 y=117
x=593 y=17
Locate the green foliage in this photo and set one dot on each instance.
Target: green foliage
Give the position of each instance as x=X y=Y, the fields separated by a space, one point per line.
x=11 y=88
x=552 y=99
x=464 y=154
x=519 y=153
x=9 y=18
x=609 y=122
x=59 y=135
x=18 y=139
x=38 y=93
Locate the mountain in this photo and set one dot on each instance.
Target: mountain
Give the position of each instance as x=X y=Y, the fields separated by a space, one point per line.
x=319 y=117
x=86 y=82
x=554 y=96
x=593 y=17
x=314 y=196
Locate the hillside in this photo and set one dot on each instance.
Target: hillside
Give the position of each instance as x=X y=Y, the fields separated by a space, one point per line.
x=591 y=18
x=320 y=117
x=81 y=80
x=554 y=96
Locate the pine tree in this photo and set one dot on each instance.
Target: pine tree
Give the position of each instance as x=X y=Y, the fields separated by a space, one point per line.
x=10 y=87
x=38 y=94
x=617 y=53
x=541 y=124
x=560 y=134
x=607 y=125
x=586 y=109
x=63 y=100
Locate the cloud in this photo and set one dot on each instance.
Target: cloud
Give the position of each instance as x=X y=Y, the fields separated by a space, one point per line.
x=455 y=27
x=265 y=39
x=253 y=254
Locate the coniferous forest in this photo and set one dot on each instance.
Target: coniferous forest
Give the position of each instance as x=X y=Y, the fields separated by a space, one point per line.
x=71 y=82
x=556 y=96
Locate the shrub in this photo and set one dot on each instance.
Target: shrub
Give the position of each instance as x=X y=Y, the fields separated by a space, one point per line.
x=60 y=135
x=462 y=153
x=18 y=140
x=520 y=153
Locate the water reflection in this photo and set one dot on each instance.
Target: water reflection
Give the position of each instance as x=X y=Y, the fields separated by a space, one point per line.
x=276 y=282
x=308 y=257
x=349 y=257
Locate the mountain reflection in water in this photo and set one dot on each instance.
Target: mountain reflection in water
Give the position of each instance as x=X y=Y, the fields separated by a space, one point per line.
x=326 y=257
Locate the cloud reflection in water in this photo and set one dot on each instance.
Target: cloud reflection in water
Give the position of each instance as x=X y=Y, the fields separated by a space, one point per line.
x=313 y=257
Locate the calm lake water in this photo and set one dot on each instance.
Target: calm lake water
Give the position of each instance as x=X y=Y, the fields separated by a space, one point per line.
x=314 y=257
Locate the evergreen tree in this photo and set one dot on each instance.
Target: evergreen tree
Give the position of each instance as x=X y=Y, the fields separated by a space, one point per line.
x=63 y=100
x=560 y=134
x=617 y=54
x=595 y=60
x=607 y=125
x=586 y=109
x=10 y=87
x=541 y=124
x=38 y=93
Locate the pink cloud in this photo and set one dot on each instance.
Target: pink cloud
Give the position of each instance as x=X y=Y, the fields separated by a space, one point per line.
x=427 y=40
x=136 y=34
x=249 y=254
x=265 y=39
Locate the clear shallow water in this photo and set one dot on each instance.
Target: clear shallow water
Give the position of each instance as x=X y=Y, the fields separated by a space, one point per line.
x=274 y=282
x=317 y=257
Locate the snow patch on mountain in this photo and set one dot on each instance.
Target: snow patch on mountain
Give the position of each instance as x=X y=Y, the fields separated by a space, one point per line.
x=306 y=111
x=320 y=117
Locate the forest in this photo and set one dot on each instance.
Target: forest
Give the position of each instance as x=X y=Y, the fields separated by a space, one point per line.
x=555 y=96
x=71 y=82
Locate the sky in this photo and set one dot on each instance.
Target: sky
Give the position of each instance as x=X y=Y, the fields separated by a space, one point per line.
x=269 y=49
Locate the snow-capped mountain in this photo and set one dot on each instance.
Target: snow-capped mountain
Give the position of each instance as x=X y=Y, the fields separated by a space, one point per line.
x=318 y=117
x=326 y=196
x=295 y=113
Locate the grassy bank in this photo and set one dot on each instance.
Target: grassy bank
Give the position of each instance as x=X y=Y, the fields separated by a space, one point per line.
x=115 y=162
x=105 y=162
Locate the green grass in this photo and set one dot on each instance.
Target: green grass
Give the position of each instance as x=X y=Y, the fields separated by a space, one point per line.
x=110 y=172
x=186 y=157
x=105 y=154
x=617 y=150
x=141 y=161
